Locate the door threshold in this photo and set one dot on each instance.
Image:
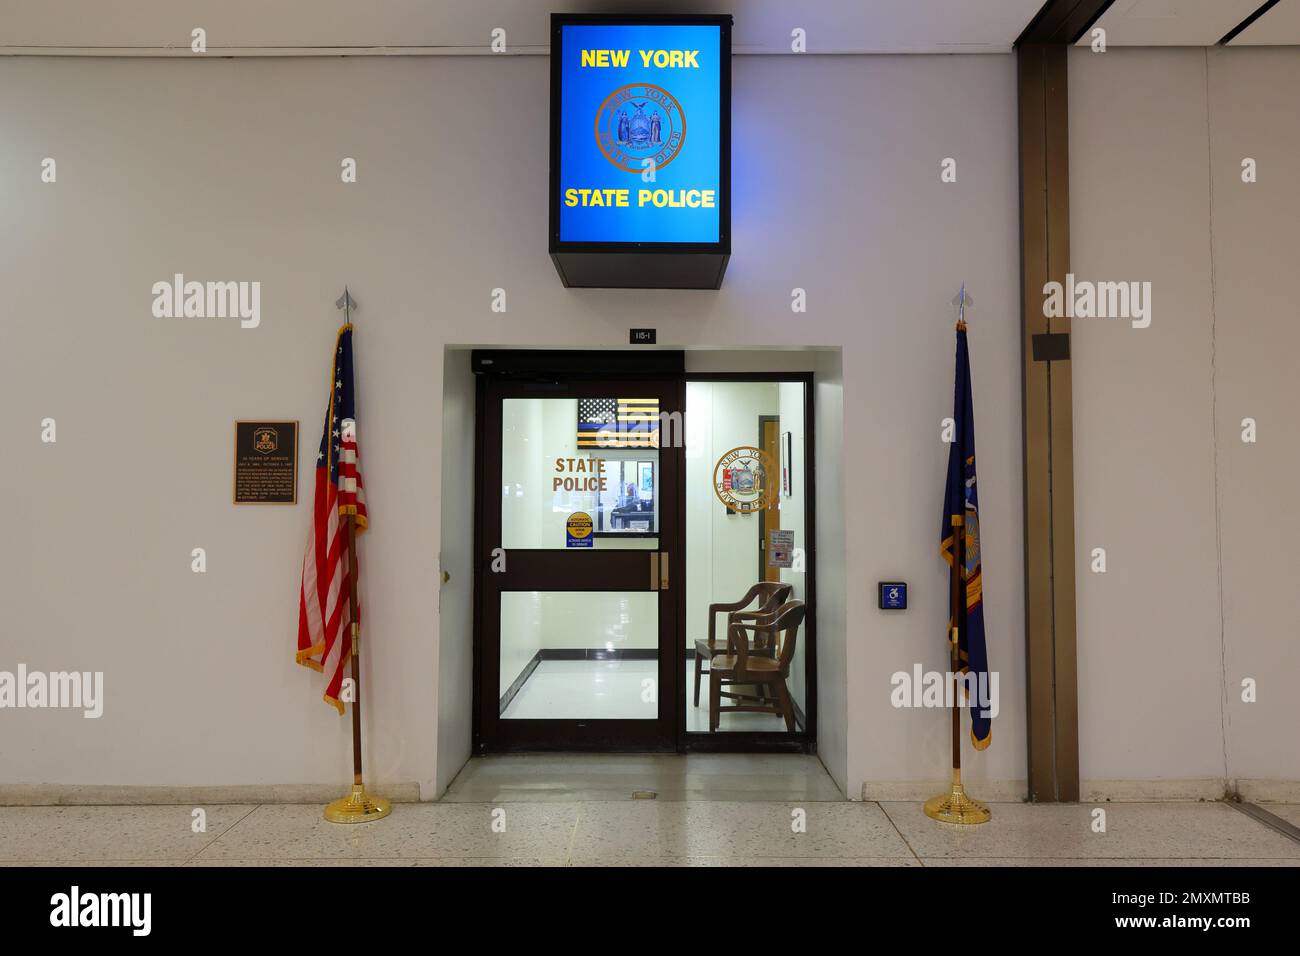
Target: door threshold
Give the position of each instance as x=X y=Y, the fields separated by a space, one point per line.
x=570 y=777
x=751 y=744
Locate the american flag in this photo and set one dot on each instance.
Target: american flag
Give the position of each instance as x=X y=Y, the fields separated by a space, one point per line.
x=325 y=612
x=618 y=423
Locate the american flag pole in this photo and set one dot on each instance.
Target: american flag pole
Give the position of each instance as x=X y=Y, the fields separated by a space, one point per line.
x=356 y=654
x=352 y=591
x=356 y=649
x=358 y=806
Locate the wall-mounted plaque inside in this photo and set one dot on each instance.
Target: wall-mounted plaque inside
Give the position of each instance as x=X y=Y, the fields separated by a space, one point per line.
x=266 y=463
x=780 y=548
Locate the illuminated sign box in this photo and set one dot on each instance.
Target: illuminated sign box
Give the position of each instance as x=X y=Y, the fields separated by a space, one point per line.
x=640 y=150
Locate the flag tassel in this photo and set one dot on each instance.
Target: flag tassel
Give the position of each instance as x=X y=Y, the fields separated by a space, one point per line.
x=954 y=806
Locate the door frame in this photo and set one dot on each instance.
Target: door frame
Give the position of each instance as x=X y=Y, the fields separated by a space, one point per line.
x=546 y=365
x=490 y=734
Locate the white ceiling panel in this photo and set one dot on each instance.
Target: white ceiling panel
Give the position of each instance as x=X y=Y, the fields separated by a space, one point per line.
x=1171 y=22
x=162 y=27
x=1280 y=26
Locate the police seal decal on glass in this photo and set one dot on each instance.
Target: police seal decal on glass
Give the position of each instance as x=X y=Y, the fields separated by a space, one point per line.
x=745 y=480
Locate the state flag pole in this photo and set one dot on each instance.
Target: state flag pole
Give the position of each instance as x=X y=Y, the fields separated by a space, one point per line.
x=954 y=806
x=358 y=806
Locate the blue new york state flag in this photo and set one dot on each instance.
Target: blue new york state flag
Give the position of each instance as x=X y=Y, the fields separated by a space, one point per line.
x=961 y=502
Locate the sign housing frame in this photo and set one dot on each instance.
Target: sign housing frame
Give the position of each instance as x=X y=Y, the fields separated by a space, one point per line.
x=643 y=265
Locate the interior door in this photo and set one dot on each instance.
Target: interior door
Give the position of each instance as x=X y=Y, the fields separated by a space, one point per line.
x=769 y=519
x=579 y=564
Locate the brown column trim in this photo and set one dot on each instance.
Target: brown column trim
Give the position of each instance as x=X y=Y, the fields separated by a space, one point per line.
x=1063 y=21
x=1048 y=434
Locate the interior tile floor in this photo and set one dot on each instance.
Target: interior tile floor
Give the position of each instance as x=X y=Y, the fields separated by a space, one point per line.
x=711 y=811
x=573 y=690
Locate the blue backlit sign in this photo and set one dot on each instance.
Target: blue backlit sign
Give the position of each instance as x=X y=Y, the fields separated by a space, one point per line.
x=640 y=149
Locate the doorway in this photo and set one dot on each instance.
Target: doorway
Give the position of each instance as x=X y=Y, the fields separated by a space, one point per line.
x=601 y=536
x=740 y=426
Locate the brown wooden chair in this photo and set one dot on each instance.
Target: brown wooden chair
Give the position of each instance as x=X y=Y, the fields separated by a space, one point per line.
x=769 y=594
x=768 y=674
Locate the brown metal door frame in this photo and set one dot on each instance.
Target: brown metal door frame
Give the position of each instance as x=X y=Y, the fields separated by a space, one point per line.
x=577 y=570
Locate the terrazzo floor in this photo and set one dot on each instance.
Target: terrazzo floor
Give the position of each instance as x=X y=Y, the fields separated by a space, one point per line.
x=770 y=811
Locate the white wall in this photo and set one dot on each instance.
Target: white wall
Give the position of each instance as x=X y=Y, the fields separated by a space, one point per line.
x=1256 y=341
x=229 y=169
x=456 y=558
x=1198 y=527
x=832 y=591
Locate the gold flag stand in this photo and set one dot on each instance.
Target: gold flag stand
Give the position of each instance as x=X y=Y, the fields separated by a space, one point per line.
x=954 y=806
x=358 y=806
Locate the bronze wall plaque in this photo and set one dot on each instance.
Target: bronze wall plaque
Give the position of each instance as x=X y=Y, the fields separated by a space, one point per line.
x=266 y=463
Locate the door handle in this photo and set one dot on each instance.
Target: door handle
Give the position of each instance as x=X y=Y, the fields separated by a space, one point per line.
x=658 y=570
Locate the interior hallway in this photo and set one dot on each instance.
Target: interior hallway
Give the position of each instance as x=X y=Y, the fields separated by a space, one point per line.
x=612 y=689
x=579 y=810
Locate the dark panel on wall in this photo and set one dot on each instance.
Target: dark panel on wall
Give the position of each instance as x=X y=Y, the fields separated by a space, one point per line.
x=617 y=363
x=1048 y=428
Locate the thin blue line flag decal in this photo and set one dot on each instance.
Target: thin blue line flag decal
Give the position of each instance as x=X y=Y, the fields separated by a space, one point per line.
x=961 y=501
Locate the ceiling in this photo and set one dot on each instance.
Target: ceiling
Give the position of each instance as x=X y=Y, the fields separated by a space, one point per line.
x=1196 y=22
x=332 y=27
x=1279 y=27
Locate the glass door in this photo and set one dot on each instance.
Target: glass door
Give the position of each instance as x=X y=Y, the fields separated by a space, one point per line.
x=749 y=540
x=579 y=564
